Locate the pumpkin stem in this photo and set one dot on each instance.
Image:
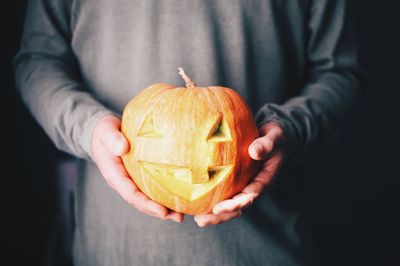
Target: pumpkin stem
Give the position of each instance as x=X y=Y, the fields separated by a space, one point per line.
x=189 y=82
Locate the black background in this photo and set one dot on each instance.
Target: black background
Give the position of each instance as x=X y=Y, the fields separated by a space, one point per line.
x=351 y=195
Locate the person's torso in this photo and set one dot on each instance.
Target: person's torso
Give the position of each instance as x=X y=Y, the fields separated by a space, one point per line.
x=253 y=46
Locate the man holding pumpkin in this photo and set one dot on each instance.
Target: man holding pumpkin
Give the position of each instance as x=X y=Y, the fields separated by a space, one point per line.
x=294 y=62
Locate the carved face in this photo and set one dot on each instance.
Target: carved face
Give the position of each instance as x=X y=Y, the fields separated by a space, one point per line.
x=188 y=145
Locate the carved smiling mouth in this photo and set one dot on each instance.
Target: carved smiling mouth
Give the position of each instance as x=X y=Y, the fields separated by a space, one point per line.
x=180 y=180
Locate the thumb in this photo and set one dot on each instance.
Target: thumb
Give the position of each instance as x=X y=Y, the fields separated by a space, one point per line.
x=117 y=144
x=112 y=137
x=261 y=148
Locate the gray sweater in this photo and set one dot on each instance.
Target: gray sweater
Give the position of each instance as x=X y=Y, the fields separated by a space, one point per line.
x=294 y=62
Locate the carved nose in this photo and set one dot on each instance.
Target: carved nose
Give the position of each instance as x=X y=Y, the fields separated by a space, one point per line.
x=219 y=172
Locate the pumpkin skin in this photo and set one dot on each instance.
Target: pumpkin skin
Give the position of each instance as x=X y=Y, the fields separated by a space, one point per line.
x=189 y=146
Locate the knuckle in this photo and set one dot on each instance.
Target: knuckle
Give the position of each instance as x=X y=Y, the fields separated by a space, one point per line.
x=136 y=194
x=251 y=201
x=268 y=145
x=262 y=180
x=215 y=221
x=132 y=201
x=110 y=182
x=233 y=208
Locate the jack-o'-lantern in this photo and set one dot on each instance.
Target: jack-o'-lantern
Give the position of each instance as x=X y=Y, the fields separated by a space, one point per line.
x=189 y=146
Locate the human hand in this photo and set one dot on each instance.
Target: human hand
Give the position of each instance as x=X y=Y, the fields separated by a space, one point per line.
x=270 y=149
x=108 y=145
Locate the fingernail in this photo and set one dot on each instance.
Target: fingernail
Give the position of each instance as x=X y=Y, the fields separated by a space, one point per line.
x=119 y=146
x=173 y=218
x=160 y=214
x=256 y=150
x=201 y=225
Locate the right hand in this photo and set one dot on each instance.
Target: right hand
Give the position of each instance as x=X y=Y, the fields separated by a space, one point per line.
x=108 y=145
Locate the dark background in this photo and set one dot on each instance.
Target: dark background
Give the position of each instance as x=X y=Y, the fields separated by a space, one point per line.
x=351 y=194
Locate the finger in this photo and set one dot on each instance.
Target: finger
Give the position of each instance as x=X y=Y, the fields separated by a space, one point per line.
x=208 y=219
x=112 y=137
x=252 y=190
x=265 y=176
x=262 y=147
x=175 y=216
x=131 y=194
x=118 y=179
x=238 y=202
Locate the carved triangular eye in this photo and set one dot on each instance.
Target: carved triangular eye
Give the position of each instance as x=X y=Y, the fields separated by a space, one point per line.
x=219 y=131
x=149 y=128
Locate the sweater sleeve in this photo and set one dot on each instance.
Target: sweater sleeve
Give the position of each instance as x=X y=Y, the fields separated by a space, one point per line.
x=333 y=84
x=48 y=78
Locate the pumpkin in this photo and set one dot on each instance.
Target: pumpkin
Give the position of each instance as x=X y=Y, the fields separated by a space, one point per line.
x=189 y=145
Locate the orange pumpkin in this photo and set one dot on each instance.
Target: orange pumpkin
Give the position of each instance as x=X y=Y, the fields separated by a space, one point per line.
x=189 y=145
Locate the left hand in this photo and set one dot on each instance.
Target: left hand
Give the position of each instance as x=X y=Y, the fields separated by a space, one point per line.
x=270 y=149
